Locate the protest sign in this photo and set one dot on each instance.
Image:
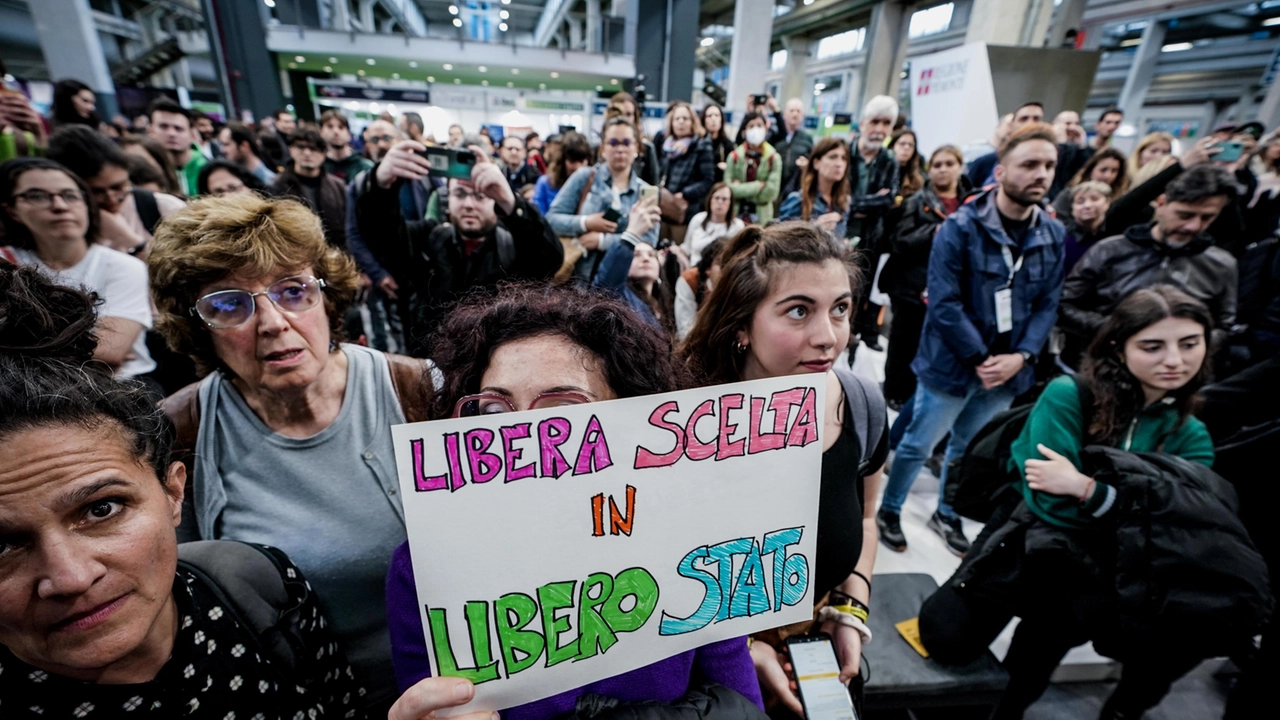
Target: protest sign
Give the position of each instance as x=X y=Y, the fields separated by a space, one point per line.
x=557 y=547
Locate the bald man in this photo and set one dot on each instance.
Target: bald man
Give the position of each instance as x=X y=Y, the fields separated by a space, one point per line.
x=794 y=145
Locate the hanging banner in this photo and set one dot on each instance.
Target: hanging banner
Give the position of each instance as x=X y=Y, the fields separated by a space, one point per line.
x=554 y=548
x=952 y=98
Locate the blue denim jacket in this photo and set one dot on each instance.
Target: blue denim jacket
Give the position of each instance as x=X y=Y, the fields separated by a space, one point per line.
x=792 y=207
x=567 y=221
x=966 y=268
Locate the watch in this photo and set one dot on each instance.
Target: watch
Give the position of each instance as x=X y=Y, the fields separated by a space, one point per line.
x=1027 y=357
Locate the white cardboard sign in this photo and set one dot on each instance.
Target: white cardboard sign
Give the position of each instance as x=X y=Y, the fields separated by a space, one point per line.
x=554 y=548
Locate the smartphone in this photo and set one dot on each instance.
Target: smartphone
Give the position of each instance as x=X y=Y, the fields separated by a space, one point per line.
x=818 y=675
x=1231 y=151
x=612 y=215
x=649 y=192
x=760 y=99
x=450 y=162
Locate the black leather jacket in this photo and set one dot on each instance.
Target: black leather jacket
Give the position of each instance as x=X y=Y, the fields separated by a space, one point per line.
x=1118 y=265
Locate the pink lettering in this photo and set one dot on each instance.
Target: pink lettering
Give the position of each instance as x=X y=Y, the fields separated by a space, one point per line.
x=512 y=455
x=727 y=449
x=658 y=418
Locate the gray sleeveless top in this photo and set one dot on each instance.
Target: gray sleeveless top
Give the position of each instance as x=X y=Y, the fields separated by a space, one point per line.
x=330 y=501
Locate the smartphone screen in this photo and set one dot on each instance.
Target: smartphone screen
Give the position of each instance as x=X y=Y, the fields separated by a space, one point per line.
x=818 y=674
x=1231 y=152
x=450 y=162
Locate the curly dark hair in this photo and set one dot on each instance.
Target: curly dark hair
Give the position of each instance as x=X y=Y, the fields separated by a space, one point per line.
x=635 y=357
x=48 y=375
x=1118 y=396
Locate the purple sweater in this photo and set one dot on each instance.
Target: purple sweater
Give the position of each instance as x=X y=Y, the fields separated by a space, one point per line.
x=727 y=663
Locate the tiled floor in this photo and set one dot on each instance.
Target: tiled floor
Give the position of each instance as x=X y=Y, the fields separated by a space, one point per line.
x=1082 y=683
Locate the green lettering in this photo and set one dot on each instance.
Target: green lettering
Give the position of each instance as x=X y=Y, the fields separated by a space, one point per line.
x=512 y=637
x=635 y=582
x=594 y=634
x=486 y=668
x=552 y=598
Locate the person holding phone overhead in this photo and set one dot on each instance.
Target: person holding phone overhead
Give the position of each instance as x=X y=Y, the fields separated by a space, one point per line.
x=492 y=234
x=598 y=205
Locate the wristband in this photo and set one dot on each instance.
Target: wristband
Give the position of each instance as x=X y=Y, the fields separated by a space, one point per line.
x=858 y=612
x=841 y=618
x=1088 y=490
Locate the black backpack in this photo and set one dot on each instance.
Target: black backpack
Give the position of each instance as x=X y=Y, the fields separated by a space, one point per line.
x=981 y=481
x=249 y=582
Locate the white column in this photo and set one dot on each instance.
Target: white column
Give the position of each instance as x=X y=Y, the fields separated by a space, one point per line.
x=997 y=22
x=749 y=61
x=1142 y=71
x=886 y=44
x=594 y=29
x=69 y=41
x=794 y=81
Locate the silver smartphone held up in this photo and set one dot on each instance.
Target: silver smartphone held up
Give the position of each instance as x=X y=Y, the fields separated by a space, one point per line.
x=818 y=675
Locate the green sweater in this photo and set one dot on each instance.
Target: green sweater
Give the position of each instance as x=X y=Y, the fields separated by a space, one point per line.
x=764 y=189
x=1056 y=423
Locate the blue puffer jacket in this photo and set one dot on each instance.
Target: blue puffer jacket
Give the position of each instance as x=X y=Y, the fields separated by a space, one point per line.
x=966 y=268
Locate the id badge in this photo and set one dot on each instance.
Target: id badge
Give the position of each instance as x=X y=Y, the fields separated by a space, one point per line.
x=1004 y=310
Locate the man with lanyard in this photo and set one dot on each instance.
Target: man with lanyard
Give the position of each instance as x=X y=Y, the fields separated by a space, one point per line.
x=874 y=177
x=995 y=277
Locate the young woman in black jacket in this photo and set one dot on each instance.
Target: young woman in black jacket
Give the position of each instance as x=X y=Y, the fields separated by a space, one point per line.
x=905 y=275
x=721 y=143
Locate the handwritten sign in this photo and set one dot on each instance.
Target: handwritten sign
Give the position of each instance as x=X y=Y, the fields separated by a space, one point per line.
x=558 y=547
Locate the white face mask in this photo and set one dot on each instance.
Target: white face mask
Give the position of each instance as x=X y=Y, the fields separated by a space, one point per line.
x=755 y=135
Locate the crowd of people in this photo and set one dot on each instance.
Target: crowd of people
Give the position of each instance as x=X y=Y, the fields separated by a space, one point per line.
x=199 y=319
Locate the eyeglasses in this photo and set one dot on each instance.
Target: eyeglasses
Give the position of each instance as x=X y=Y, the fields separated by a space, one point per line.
x=44 y=198
x=615 y=142
x=493 y=404
x=379 y=139
x=463 y=196
x=227 y=309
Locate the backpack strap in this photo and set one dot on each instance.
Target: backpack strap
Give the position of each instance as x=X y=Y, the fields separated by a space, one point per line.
x=148 y=209
x=586 y=190
x=249 y=582
x=869 y=425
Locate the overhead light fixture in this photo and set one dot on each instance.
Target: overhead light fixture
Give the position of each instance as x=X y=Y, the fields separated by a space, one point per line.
x=502 y=27
x=515 y=71
x=599 y=88
x=808 y=2
x=413 y=63
x=431 y=78
x=484 y=83
x=457 y=81
x=708 y=41
x=483 y=69
x=457 y=22
x=555 y=75
x=453 y=9
x=506 y=2
x=819 y=86
x=542 y=86
x=815 y=92
x=613 y=81
x=504 y=14
x=299 y=58
x=1131 y=42
x=333 y=59
x=1176 y=47
x=328 y=68
x=511 y=84
x=269 y=3
x=293 y=65
x=360 y=73
x=395 y=76
x=448 y=66
x=1271 y=22
x=370 y=61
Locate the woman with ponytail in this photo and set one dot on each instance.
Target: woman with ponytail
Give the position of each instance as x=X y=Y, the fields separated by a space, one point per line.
x=782 y=306
x=1136 y=392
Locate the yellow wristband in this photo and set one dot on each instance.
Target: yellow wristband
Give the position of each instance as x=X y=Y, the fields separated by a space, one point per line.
x=851 y=610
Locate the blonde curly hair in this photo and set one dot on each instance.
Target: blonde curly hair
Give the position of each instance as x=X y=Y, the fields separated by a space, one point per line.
x=245 y=235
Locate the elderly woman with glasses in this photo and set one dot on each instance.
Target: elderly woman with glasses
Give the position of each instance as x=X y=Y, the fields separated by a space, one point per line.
x=51 y=221
x=543 y=346
x=287 y=439
x=601 y=204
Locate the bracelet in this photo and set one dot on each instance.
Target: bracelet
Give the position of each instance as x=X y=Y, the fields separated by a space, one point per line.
x=836 y=598
x=865 y=579
x=841 y=618
x=1088 y=490
x=858 y=612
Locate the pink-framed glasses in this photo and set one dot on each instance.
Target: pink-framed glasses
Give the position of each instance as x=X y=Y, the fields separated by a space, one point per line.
x=493 y=404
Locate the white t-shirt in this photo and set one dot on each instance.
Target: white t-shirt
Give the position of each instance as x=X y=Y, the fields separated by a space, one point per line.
x=120 y=280
x=698 y=238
